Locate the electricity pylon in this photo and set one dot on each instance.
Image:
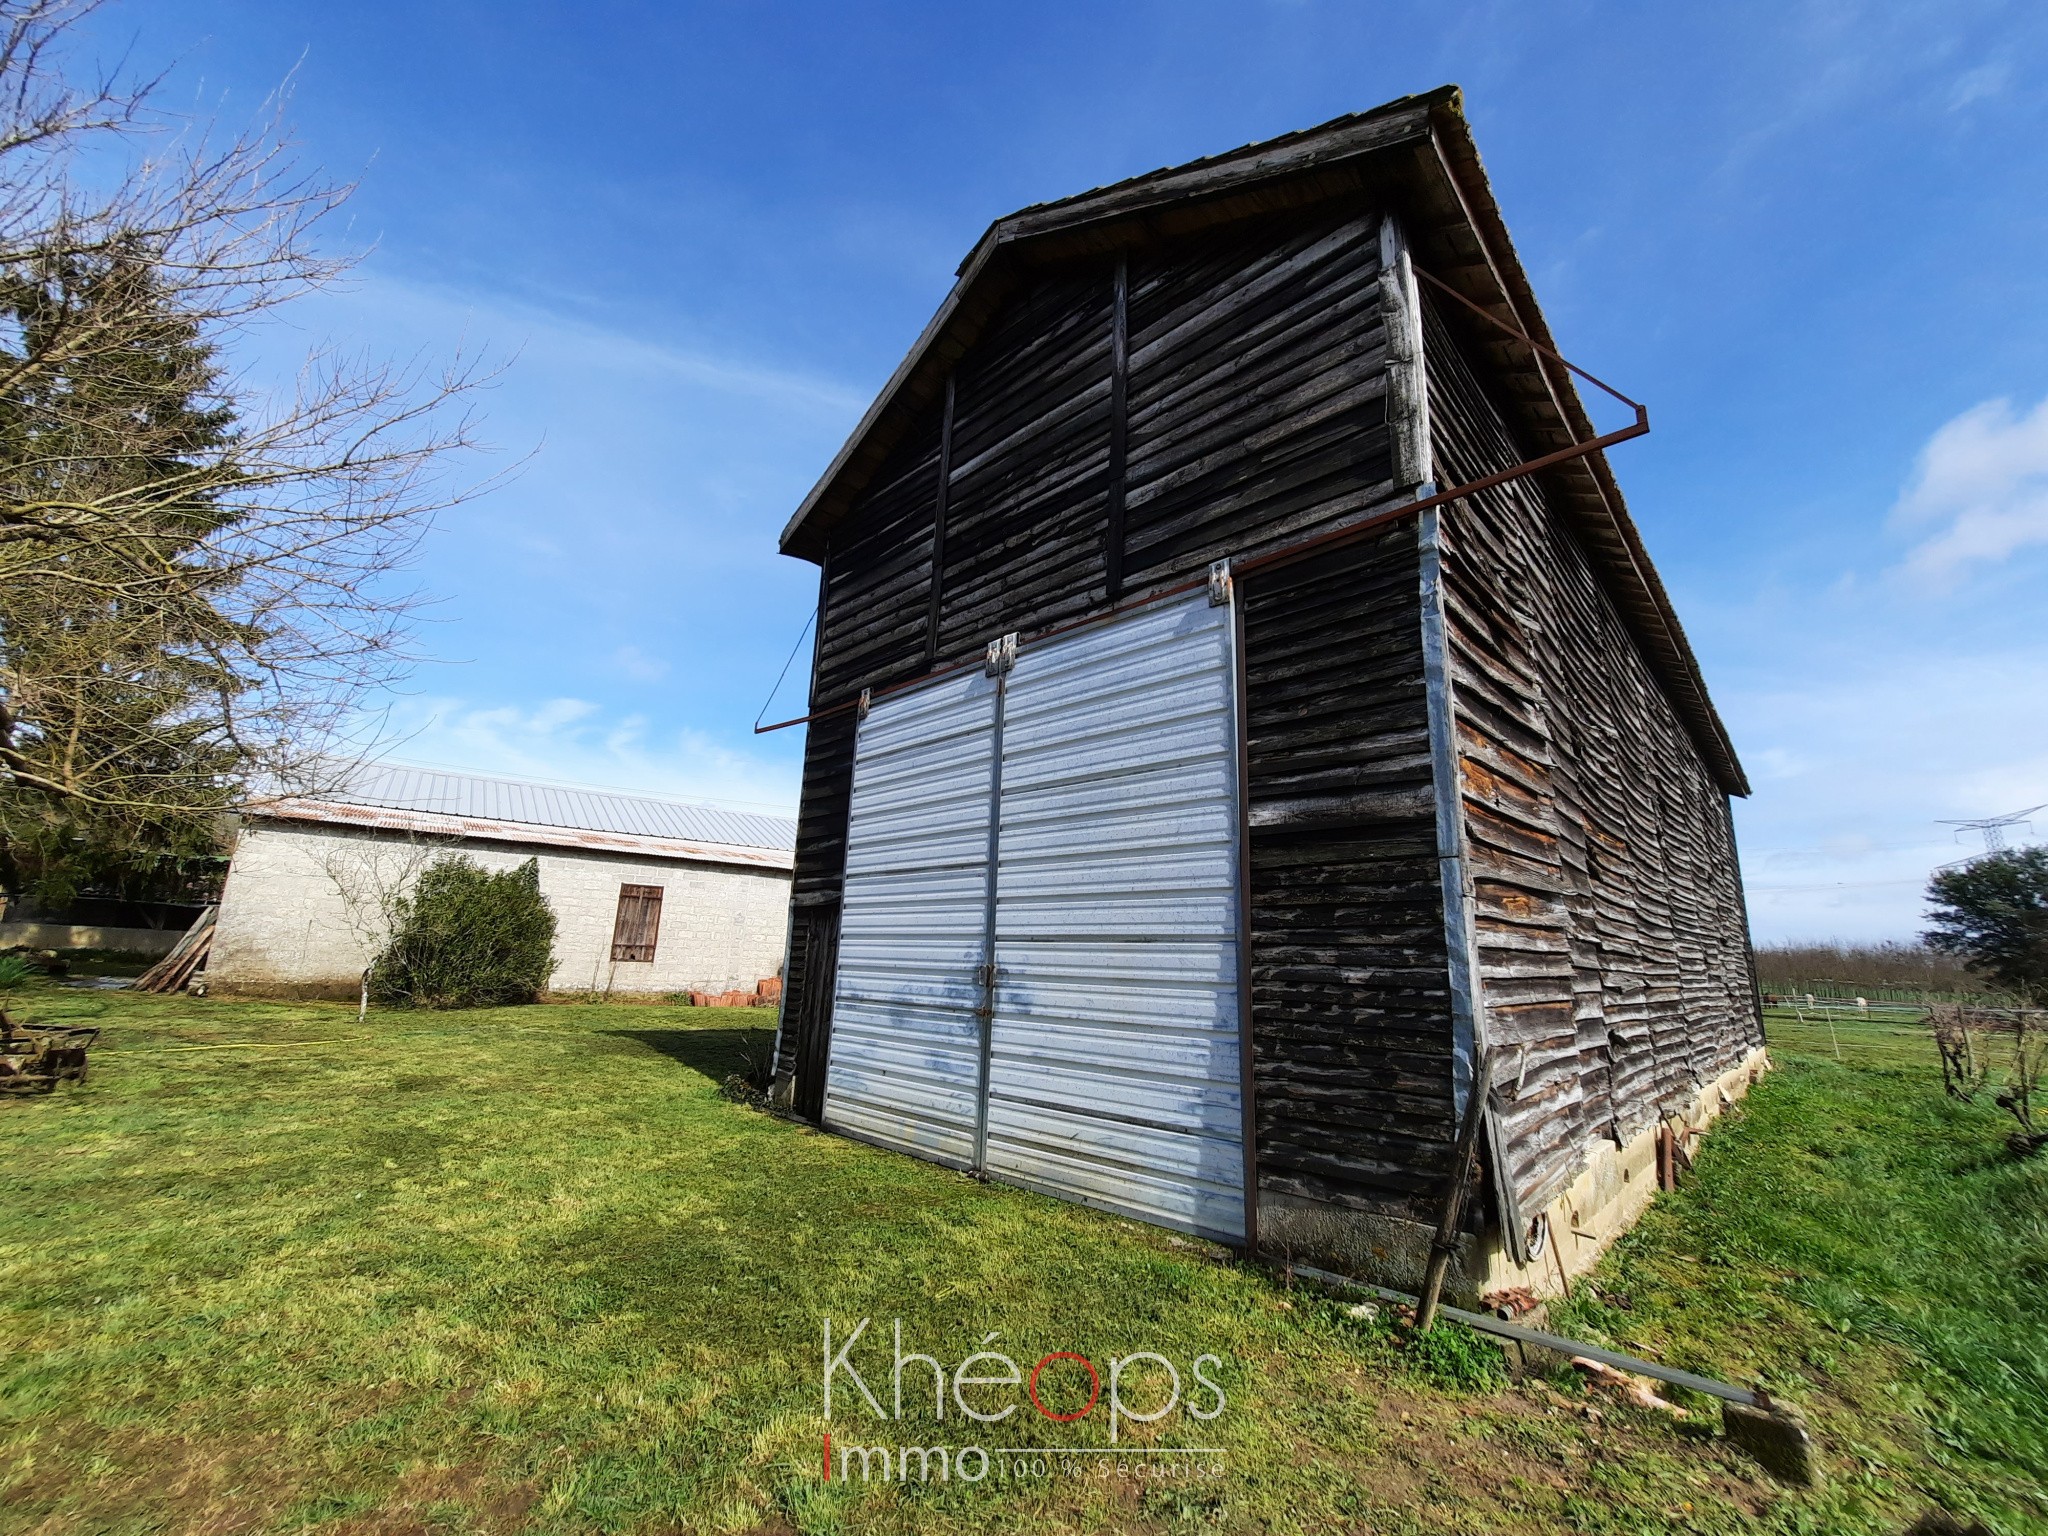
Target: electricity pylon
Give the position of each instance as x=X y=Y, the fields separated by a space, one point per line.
x=1993 y=827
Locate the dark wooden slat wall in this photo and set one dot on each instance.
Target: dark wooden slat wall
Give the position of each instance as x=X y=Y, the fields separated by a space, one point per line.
x=1258 y=381
x=1350 y=1001
x=1028 y=507
x=1612 y=956
x=1255 y=406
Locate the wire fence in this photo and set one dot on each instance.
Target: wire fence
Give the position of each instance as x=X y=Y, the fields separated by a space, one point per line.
x=1824 y=1007
x=1815 y=990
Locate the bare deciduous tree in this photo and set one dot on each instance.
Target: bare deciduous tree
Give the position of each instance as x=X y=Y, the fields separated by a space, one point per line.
x=196 y=571
x=1962 y=1036
x=373 y=877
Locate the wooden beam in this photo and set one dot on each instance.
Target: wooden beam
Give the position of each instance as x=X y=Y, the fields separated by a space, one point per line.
x=1407 y=395
x=939 y=500
x=1119 y=413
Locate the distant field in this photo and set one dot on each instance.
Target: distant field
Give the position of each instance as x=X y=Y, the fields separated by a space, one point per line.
x=528 y=1270
x=1891 y=971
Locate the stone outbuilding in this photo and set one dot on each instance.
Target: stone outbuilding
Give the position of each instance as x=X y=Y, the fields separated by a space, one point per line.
x=649 y=896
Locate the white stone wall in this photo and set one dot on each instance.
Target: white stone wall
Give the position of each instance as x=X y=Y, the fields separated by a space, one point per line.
x=301 y=912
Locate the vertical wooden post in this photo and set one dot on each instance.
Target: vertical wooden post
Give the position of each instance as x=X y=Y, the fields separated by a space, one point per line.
x=1446 y=1243
x=1407 y=389
x=1469 y=1032
x=939 y=501
x=1119 y=414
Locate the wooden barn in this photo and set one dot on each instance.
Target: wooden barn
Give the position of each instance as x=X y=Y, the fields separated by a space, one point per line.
x=1242 y=704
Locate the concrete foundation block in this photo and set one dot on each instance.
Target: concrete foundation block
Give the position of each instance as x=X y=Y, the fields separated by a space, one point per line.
x=1386 y=1250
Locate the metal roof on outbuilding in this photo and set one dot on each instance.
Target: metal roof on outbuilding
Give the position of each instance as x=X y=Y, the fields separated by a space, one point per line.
x=434 y=801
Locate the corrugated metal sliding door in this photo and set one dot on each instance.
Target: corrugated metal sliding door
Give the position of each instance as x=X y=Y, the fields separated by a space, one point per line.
x=906 y=1049
x=1114 y=1073
x=1099 y=1056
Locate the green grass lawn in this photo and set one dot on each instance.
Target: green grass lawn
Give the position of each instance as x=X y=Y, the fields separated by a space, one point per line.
x=270 y=1270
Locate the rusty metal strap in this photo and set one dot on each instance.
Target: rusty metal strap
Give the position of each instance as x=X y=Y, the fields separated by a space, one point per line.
x=1642 y=416
x=1352 y=532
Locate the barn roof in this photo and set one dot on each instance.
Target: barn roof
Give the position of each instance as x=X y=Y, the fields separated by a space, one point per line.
x=1415 y=156
x=397 y=797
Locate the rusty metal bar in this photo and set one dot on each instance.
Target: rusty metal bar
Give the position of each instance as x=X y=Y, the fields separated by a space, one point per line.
x=1531 y=342
x=1353 y=531
x=1315 y=544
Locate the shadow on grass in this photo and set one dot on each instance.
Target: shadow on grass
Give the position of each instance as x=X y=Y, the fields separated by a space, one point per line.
x=717 y=1053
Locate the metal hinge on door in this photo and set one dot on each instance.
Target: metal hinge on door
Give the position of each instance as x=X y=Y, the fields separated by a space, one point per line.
x=1002 y=655
x=1219 y=583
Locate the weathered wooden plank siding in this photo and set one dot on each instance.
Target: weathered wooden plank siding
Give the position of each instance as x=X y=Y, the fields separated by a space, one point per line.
x=1255 y=408
x=1350 y=1003
x=1258 y=382
x=1612 y=957
x=1027 y=506
x=871 y=632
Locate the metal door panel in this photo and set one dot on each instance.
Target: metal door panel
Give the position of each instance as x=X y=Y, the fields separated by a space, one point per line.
x=905 y=1066
x=1179 y=1182
x=1114 y=1071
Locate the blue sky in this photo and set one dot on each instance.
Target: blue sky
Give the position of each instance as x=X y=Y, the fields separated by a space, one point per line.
x=1810 y=235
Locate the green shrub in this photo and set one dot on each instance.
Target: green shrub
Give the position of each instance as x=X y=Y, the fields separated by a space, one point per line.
x=466 y=937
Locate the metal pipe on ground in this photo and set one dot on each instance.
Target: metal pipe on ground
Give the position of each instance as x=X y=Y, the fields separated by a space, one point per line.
x=1773 y=1433
x=1570 y=1348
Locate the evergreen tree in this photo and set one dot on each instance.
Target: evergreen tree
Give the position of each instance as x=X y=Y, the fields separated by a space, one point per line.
x=195 y=589
x=1993 y=912
x=109 y=685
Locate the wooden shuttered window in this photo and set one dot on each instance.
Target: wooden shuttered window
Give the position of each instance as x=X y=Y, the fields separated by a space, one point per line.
x=638 y=922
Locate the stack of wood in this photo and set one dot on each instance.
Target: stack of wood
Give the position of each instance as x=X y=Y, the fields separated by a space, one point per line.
x=176 y=970
x=35 y=1058
x=766 y=994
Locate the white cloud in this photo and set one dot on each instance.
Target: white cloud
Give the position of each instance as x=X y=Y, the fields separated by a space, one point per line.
x=574 y=741
x=1977 y=84
x=548 y=341
x=1981 y=487
x=638 y=665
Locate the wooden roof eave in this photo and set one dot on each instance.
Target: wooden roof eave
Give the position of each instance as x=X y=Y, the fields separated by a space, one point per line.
x=1550 y=414
x=1302 y=168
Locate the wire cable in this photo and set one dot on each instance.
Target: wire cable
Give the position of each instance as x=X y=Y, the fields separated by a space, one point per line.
x=785 y=670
